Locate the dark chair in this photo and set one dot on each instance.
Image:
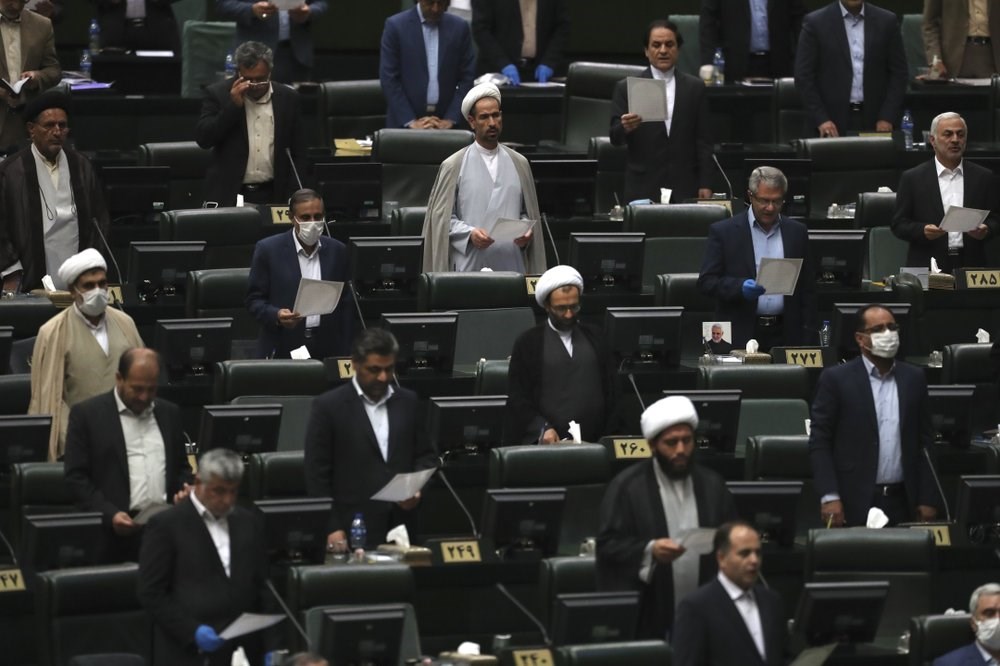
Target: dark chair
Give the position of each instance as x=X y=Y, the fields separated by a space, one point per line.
x=38 y=488
x=587 y=101
x=410 y=161
x=465 y=291
x=277 y=475
x=563 y=575
x=670 y=255
x=770 y=416
x=268 y=377
x=609 y=187
x=350 y=109
x=221 y=292
x=967 y=363
x=673 y=220
x=932 y=636
x=408 y=221
x=909 y=290
x=874 y=209
x=633 y=653
x=790 y=119
x=188 y=163
x=295 y=411
x=15 y=393
x=785 y=458
x=681 y=289
x=491 y=377
x=20 y=355
x=886 y=253
x=230 y=234
x=844 y=166
x=758 y=381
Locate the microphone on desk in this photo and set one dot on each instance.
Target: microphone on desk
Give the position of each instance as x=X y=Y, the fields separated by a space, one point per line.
x=541 y=627
x=295 y=171
x=458 y=500
x=288 y=614
x=937 y=482
x=552 y=239
x=114 y=262
x=357 y=306
x=724 y=176
x=631 y=379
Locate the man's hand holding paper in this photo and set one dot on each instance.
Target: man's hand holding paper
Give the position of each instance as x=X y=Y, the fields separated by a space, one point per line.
x=316 y=297
x=778 y=277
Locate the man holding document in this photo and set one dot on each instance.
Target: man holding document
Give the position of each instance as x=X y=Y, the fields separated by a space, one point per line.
x=306 y=268
x=929 y=190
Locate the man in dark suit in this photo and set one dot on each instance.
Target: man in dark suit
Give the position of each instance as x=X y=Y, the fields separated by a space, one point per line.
x=733 y=619
x=150 y=25
x=870 y=427
x=850 y=68
x=279 y=263
x=733 y=255
x=648 y=509
x=927 y=190
x=984 y=608
x=360 y=436
x=757 y=38
x=203 y=563
x=676 y=153
x=426 y=66
x=498 y=28
x=964 y=44
x=250 y=122
x=125 y=452
x=286 y=32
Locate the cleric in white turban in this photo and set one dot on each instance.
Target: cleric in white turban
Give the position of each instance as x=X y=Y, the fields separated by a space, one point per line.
x=556 y=278
x=666 y=413
x=476 y=94
x=80 y=263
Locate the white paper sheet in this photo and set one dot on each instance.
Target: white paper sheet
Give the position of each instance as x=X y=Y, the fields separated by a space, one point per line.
x=149 y=512
x=778 y=276
x=317 y=297
x=248 y=623
x=698 y=540
x=814 y=656
x=287 y=4
x=647 y=98
x=959 y=218
x=505 y=230
x=404 y=486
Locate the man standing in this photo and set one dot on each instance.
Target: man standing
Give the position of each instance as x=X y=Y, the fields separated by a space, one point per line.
x=647 y=510
x=77 y=351
x=279 y=263
x=757 y=38
x=427 y=66
x=51 y=201
x=676 y=153
x=859 y=93
x=523 y=39
x=285 y=31
x=142 y=24
x=869 y=431
x=29 y=52
x=203 y=563
x=125 y=452
x=735 y=249
x=961 y=38
x=250 y=123
x=984 y=607
x=927 y=191
x=360 y=436
x=475 y=188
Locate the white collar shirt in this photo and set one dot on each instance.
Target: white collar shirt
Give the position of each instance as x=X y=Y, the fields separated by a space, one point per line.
x=671 y=90
x=378 y=416
x=951 y=183
x=145 y=454
x=746 y=603
x=218 y=529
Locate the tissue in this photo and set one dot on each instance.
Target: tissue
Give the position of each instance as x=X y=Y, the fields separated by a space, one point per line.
x=934 y=266
x=876 y=518
x=574 y=432
x=982 y=336
x=48 y=283
x=301 y=353
x=399 y=536
x=752 y=346
x=239 y=658
x=665 y=193
x=468 y=648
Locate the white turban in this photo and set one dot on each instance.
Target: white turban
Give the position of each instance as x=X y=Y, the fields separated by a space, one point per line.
x=666 y=413
x=476 y=94
x=79 y=264
x=554 y=278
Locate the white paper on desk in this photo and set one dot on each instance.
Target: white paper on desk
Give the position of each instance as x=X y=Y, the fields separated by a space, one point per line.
x=287 y=4
x=647 y=98
x=698 y=540
x=538 y=84
x=778 y=276
x=143 y=517
x=814 y=656
x=505 y=230
x=404 y=486
x=959 y=218
x=150 y=53
x=248 y=623
x=317 y=297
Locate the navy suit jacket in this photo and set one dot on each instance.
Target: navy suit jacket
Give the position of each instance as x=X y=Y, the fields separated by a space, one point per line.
x=967 y=655
x=274 y=282
x=249 y=28
x=823 y=67
x=725 y=24
x=843 y=440
x=729 y=260
x=403 y=68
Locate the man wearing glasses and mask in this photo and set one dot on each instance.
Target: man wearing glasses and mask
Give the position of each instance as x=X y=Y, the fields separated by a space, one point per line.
x=251 y=123
x=732 y=258
x=870 y=422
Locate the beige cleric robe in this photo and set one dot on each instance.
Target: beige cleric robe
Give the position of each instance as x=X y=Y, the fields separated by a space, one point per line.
x=69 y=366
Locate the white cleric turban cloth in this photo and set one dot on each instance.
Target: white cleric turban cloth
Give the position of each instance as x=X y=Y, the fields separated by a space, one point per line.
x=79 y=264
x=666 y=413
x=555 y=277
x=476 y=94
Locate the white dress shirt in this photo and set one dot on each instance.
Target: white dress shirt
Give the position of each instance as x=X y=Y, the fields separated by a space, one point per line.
x=310 y=268
x=378 y=416
x=100 y=331
x=260 y=137
x=218 y=529
x=667 y=76
x=565 y=336
x=146 y=455
x=746 y=604
x=855 y=27
x=10 y=31
x=490 y=159
x=951 y=182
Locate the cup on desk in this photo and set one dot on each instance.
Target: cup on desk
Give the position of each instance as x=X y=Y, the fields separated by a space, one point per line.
x=935 y=360
x=387 y=208
x=617 y=213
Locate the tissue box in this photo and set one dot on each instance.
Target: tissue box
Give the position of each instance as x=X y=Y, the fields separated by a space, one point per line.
x=757 y=358
x=477 y=659
x=940 y=281
x=415 y=556
x=60 y=299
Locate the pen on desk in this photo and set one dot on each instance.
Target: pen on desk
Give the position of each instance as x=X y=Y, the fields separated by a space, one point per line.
x=829 y=521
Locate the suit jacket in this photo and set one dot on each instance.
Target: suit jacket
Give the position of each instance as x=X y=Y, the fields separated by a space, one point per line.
x=944 y=32
x=497 y=29
x=250 y=28
x=710 y=630
x=729 y=260
x=38 y=53
x=843 y=440
x=158 y=31
x=273 y=284
x=343 y=460
x=967 y=655
x=681 y=161
x=183 y=584
x=222 y=127
x=631 y=516
x=403 y=68
x=823 y=67
x=725 y=24
x=918 y=203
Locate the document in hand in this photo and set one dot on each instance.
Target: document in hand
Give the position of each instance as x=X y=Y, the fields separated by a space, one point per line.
x=697 y=540
x=778 y=276
x=248 y=623
x=317 y=297
x=647 y=98
x=404 y=486
x=959 y=218
x=505 y=231
x=143 y=517
x=287 y=4
x=13 y=88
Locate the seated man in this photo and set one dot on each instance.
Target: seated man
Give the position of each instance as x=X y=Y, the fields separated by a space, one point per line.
x=984 y=607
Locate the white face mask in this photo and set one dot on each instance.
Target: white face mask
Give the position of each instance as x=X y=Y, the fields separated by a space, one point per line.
x=885 y=344
x=95 y=302
x=988 y=633
x=309 y=232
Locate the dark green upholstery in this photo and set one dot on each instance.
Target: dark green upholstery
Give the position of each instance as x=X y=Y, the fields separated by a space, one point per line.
x=611 y=161
x=770 y=416
x=587 y=101
x=268 y=377
x=790 y=119
x=909 y=290
x=230 y=233
x=350 y=110
x=489 y=334
x=410 y=161
x=874 y=209
x=475 y=290
x=967 y=363
x=785 y=458
x=491 y=377
x=563 y=575
x=188 y=163
x=673 y=220
x=886 y=253
x=321 y=585
x=295 y=411
x=758 y=381
x=38 y=488
x=932 y=636
x=844 y=166
x=221 y=292
x=277 y=475
x=911 y=28
x=633 y=653
x=670 y=255
x=89 y=610
x=15 y=393
x=681 y=289
x=408 y=221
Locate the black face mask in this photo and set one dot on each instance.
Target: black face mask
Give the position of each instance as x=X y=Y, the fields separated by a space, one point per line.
x=668 y=468
x=562 y=324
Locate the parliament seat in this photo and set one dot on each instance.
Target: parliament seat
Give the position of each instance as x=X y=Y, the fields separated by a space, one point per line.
x=295 y=412
x=911 y=29
x=785 y=458
x=587 y=101
x=844 y=166
x=410 y=161
x=790 y=120
x=15 y=393
x=221 y=292
x=770 y=416
x=6 y=339
x=633 y=653
x=21 y=352
x=609 y=187
x=908 y=289
x=38 y=488
x=230 y=234
x=268 y=377
x=350 y=110
x=408 y=221
x=681 y=289
x=967 y=363
x=874 y=209
x=491 y=377
x=471 y=290
x=670 y=255
x=188 y=163
x=932 y=636
x=673 y=220
x=758 y=381
x=204 y=45
x=563 y=575
x=276 y=475
x=886 y=253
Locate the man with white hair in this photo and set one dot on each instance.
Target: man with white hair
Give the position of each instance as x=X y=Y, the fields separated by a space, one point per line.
x=646 y=512
x=560 y=370
x=76 y=352
x=475 y=188
x=984 y=607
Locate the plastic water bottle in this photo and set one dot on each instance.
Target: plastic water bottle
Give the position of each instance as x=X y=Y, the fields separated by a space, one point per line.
x=359 y=533
x=95 y=37
x=719 y=63
x=824 y=334
x=230 y=65
x=85 y=63
x=907 y=127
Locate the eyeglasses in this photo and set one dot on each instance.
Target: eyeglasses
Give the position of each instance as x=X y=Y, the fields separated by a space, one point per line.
x=55 y=126
x=881 y=328
x=258 y=83
x=776 y=203
x=563 y=309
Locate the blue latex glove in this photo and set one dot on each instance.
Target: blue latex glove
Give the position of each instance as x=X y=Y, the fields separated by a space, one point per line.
x=543 y=73
x=207 y=639
x=752 y=290
x=510 y=71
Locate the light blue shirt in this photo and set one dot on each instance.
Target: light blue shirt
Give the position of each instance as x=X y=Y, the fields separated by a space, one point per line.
x=431 y=48
x=767 y=244
x=855 y=27
x=284 y=26
x=886 y=397
x=760 y=38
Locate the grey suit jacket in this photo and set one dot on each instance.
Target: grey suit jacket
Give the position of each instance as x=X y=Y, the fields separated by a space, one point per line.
x=38 y=53
x=944 y=32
